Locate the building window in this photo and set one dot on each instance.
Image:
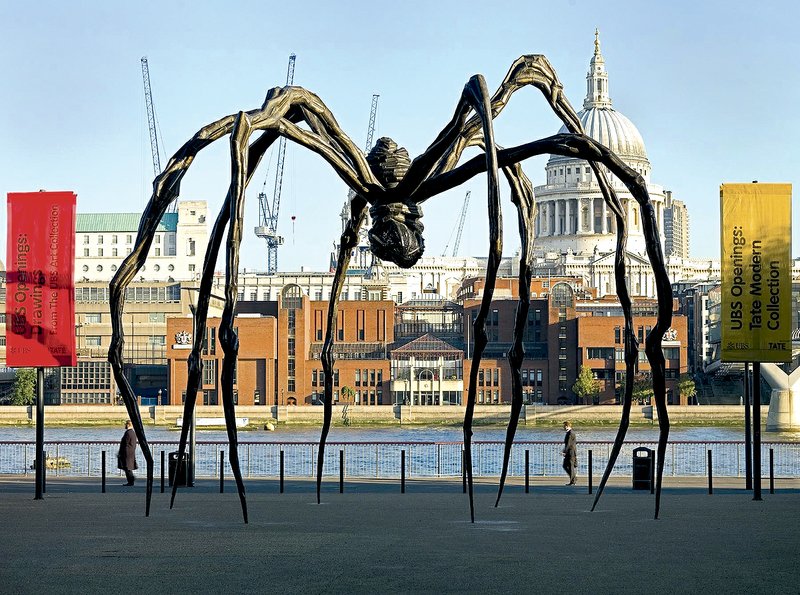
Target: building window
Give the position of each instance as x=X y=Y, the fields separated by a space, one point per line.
x=617 y=335
x=191 y=268
x=99 y=268
x=92 y=340
x=93 y=318
x=100 y=239
x=85 y=239
x=600 y=353
x=114 y=252
x=158 y=252
x=99 y=251
x=114 y=239
x=86 y=251
x=85 y=268
x=190 y=247
x=210 y=372
x=671 y=352
x=129 y=239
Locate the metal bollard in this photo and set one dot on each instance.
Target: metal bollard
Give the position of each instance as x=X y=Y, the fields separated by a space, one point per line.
x=341 y=471
x=589 y=470
x=221 y=471
x=103 y=463
x=771 y=471
x=402 y=471
x=527 y=471
x=162 y=471
x=710 y=474
x=281 y=481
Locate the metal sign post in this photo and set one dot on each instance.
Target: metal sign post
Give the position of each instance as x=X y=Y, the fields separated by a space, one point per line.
x=748 y=444
x=756 y=430
x=40 y=462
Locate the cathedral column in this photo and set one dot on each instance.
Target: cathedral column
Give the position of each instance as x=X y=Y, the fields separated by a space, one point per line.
x=557 y=208
x=546 y=223
x=567 y=213
x=579 y=216
x=604 y=220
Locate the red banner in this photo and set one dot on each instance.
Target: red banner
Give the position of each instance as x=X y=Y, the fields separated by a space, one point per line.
x=40 y=290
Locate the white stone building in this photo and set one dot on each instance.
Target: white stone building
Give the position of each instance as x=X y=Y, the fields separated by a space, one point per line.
x=104 y=239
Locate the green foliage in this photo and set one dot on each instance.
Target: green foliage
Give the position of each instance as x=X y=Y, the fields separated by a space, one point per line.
x=586 y=385
x=643 y=389
x=687 y=387
x=24 y=390
x=348 y=394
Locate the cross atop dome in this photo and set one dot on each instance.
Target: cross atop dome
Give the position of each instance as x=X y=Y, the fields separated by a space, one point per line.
x=597 y=79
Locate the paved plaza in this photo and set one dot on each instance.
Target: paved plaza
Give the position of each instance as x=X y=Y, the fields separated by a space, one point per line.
x=374 y=539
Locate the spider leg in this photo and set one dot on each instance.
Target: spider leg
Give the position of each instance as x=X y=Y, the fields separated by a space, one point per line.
x=476 y=93
x=349 y=240
x=655 y=354
x=523 y=199
x=165 y=189
x=227 y=334
x=580 y=146
x=277 y=115
x=200 y=314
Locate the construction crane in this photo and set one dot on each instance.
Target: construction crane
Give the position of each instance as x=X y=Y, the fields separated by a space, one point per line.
x=459 y=228
x=153 y=125
x=268 y=213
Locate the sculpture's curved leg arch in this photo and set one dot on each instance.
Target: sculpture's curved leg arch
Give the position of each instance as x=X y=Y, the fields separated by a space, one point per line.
x=522 y=197
x=227 y=334
x=477 y=95
x=349 y=240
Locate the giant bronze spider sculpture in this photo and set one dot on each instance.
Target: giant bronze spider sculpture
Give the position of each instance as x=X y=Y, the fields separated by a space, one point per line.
x=394 y=187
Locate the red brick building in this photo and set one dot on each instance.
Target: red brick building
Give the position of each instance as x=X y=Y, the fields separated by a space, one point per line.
x=420 y=352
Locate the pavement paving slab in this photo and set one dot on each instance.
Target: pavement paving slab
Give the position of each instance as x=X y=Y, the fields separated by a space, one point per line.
x=372 y=538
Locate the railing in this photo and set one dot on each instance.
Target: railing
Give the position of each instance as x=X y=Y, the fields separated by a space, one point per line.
x=381 y=460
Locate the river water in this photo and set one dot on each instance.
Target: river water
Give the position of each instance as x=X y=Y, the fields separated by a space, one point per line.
x=395 y=434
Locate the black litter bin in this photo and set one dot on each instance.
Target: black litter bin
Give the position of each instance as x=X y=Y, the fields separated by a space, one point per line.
x=643 y=468
x=178 y=473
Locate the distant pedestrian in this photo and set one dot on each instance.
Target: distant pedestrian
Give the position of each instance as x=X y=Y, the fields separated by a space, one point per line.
x=126 y=457
x=570 y=454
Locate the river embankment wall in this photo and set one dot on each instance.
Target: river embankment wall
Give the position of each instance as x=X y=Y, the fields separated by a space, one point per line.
x=531 y=415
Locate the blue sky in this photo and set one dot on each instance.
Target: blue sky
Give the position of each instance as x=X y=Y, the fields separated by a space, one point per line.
x=713 y=88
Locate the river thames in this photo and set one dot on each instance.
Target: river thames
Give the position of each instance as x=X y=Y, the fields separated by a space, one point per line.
x=396 y=434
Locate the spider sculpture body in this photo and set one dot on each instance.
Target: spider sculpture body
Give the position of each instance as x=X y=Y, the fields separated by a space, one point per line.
x=393 y=187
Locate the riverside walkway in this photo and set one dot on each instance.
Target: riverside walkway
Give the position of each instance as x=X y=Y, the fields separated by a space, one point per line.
x=374 y=539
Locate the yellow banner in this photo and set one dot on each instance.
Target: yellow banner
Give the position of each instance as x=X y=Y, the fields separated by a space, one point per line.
x=756 y=236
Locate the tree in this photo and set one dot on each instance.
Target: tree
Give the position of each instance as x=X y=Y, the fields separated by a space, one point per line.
x=687 y=388
x=24 y=389
x=586 y=385
x=348 y=394
x=643 y=389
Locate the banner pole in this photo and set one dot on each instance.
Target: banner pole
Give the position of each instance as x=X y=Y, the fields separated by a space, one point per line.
x=756 y=430
x=748 y=443
x=40 y=462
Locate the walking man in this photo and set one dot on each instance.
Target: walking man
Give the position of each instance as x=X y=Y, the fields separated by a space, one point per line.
x=126 y=457
x=570 y=454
